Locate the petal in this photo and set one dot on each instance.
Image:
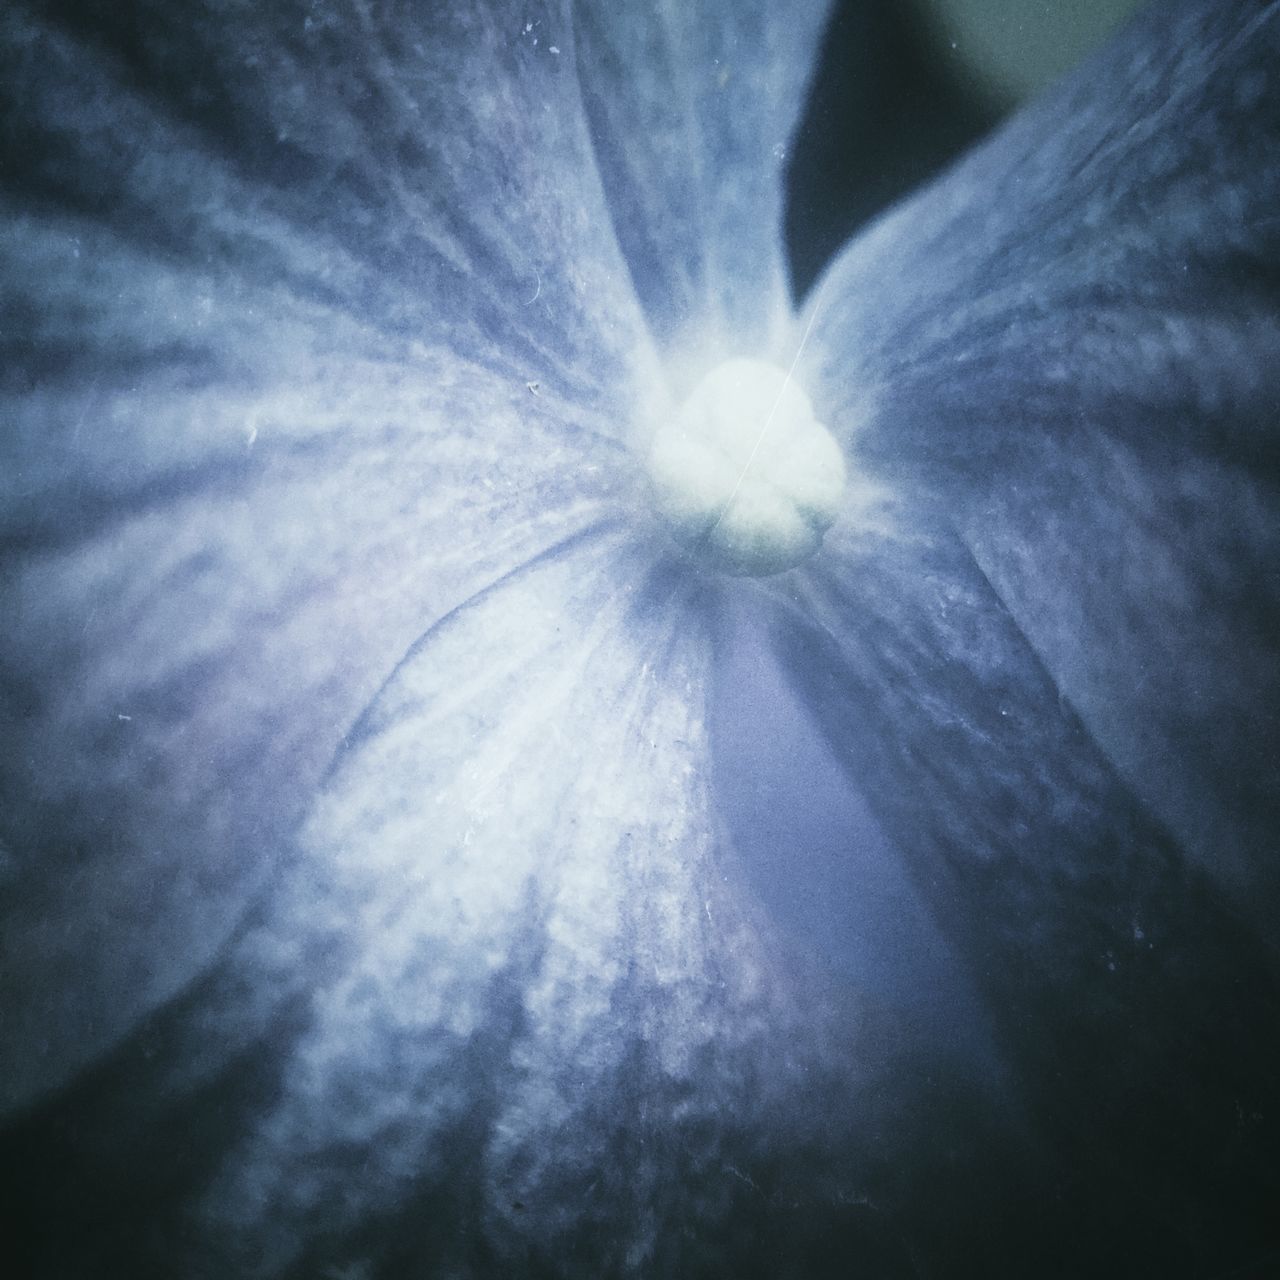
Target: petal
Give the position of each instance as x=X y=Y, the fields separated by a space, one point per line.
x=692 y=110
x=1138 y=1019
x=314 y=342
x=517 y=863
x=1070 y=346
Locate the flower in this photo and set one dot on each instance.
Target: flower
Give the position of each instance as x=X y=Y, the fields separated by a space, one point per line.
x=417 y=864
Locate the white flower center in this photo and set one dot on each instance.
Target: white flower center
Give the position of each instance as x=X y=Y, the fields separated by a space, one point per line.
x=744 y=474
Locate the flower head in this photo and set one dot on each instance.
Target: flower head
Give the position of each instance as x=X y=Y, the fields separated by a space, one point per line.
x=523 y=754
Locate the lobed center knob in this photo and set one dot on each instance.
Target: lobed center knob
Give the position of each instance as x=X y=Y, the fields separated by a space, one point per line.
x=746 y=478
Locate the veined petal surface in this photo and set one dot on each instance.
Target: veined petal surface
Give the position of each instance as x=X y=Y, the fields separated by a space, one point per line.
x=692 y=110
x=543 y=983
x=315 y=338
x=1068 y=348
x=1136 y=1017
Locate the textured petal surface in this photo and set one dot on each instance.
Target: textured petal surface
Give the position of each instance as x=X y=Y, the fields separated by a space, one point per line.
x=1069 y=348
x=542 y=985
x=1137 y=1018
x=314 y=341
x=692 y=110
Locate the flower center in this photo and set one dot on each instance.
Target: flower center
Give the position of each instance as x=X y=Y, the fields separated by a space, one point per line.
x=745 y=476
